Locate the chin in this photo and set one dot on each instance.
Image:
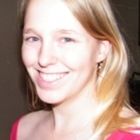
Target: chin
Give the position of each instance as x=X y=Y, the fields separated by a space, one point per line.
x=51 y=97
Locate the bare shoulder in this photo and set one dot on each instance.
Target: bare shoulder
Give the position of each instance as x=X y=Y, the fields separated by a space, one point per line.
x=133 y=115
x=29 y=122
x=33 y=117
x=128 y=112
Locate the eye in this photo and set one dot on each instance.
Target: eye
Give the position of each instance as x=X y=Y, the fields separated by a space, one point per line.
x=31 y=39
x=67 y=40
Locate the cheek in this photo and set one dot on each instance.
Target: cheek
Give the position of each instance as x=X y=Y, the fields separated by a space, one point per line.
x=29 y=56
x=80 y=59
x=83 y=54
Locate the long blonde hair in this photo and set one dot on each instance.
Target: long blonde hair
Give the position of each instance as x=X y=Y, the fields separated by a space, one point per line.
x=97 y=18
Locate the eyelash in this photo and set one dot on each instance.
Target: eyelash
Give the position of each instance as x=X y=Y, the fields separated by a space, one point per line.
x=31 y=39
x=67 y=40
x=34 y=39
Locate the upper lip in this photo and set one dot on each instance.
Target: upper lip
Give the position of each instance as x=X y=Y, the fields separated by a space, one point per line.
x=53 y=72
x=45 y=71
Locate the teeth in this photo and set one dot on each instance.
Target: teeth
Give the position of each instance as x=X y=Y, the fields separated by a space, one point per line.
x=51 y=77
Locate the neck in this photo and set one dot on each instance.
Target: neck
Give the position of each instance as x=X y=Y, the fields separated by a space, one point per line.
x=75 y=114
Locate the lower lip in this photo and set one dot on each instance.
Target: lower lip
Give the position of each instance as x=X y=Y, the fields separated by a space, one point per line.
x=50 y=85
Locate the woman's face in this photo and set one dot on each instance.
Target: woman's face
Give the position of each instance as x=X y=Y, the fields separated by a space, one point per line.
x=60 y=56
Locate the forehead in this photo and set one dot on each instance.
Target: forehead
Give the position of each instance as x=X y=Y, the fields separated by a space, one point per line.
x=51 y=14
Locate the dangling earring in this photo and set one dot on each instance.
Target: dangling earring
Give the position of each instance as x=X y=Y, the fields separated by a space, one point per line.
x=99 y=67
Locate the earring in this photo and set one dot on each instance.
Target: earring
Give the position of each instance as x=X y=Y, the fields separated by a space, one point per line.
x=99 y=67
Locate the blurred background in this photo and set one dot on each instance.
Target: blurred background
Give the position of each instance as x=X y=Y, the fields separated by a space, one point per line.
x=12 y=86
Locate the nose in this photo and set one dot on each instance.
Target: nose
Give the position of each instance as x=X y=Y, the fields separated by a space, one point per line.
x=47 y=56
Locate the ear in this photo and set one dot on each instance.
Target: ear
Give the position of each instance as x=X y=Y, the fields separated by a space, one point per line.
x=105 y=48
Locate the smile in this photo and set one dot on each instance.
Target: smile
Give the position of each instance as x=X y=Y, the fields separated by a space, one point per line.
x=51 y=80
x=52 y=77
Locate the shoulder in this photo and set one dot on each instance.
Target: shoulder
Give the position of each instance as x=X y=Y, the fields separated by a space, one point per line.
x=33 y=117
x=132 y=132
x=29 y=123
x=128 y=112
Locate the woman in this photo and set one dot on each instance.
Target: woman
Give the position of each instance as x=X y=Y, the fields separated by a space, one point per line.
x=77 y=64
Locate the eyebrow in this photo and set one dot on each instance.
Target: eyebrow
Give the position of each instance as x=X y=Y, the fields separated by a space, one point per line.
x=55 y=32
x=65 y=31
x=29 y=30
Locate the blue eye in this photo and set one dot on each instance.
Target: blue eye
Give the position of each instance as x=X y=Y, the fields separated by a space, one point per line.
x=31 y=39
x=67 y=40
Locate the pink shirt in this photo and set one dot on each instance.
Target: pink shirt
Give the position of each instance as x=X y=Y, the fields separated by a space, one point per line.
x=123 y=135
x=13 y=135
x=117 y=135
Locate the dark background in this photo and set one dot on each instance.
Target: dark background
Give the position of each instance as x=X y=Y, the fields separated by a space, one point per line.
x=12 y=91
